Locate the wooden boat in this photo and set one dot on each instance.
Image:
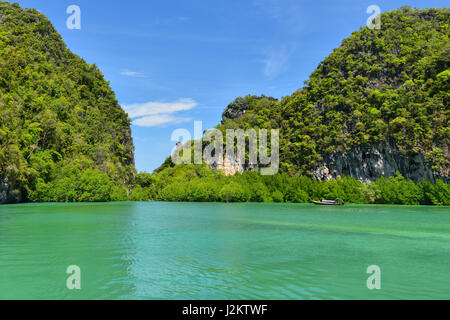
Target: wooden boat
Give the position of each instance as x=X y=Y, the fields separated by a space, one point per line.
x=328 y=202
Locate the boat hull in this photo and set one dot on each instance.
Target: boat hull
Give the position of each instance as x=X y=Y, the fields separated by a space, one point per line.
x=319 y=203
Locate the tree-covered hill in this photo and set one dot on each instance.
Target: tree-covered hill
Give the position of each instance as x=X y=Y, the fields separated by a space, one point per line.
x=60 y=123
x=376 y=105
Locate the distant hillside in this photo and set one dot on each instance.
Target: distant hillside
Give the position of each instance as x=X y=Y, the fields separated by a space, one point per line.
x=377 y=105
x=60 y=123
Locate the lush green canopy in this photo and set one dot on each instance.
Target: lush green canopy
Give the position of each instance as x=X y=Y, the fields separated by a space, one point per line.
x=391 y=84
x=57 y=113
x=199 y=183
x=63 y=136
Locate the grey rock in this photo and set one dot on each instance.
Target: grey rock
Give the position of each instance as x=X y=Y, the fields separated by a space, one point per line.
x=230 y=165
x=5 y=195
x=239 y=107
x=383 y=160
x=8 y=194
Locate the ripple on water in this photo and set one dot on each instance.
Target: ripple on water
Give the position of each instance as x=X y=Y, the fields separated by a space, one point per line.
x=221 y=251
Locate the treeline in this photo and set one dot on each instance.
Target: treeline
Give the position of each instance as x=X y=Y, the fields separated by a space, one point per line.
x=196 y=183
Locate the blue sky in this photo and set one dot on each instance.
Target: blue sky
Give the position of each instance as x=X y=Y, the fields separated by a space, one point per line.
x=173 y=62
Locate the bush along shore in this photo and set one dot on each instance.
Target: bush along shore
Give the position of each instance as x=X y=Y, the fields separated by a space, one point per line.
x=197 y=183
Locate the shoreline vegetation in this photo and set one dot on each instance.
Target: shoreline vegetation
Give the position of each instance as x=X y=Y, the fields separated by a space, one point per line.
x=198 y=183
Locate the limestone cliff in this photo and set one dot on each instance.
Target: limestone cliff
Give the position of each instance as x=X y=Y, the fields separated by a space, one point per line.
x=382 y=160
x=377 y=105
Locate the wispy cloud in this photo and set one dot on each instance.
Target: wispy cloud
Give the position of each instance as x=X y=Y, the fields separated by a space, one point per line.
x=130 y=73
x=276 y=61
x=153 y=113
x=153 y=121
x=153 y=108
x=289 y=13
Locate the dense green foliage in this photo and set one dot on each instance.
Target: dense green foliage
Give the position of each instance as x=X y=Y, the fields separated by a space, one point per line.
x=199 y=183
x=391 y=84
x=76 y=183
x=63 y=136
x=60 y=123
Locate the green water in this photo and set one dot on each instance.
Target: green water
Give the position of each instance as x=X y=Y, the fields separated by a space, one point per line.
x=223 y=251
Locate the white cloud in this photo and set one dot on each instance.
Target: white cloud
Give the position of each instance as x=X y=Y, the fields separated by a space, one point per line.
x=276 y=61
x=152 y=113
x=152 y=108
x=157 y=120
x=130 y=73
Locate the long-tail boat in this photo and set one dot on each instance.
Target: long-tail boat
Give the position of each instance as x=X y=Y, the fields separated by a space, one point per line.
x=328 y=202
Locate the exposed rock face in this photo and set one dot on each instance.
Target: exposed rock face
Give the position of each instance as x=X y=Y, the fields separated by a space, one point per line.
x=4 y=190
x=6 y=194
x=230 y=166
x=367 y=165
x=236 y=109
x=239 y=107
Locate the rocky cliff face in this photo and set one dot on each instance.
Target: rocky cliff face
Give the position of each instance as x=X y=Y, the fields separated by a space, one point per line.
x=238 y=108
x=383 y=160
x=7 y=195
x=231 y=166
x=366 y=165
x=4 y=192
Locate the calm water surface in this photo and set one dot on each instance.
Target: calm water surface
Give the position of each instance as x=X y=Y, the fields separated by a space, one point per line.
x=223 y=251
